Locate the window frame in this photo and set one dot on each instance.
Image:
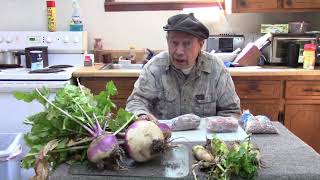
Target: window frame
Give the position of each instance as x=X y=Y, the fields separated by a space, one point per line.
x=111 y=5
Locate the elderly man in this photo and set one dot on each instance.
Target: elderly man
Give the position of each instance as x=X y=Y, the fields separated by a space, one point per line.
x=184 y=79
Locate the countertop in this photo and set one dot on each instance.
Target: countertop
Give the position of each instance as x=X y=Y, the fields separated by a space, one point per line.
x=93 y=71
x=284 y=156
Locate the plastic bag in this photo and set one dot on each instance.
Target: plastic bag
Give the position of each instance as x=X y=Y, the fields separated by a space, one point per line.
x=185 y=122
x=259 y=124
x=222 y=124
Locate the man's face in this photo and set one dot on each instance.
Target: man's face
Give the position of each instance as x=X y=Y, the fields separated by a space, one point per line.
x=183 y=49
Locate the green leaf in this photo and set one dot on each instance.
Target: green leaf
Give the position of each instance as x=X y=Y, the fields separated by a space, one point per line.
x=122 y=117
x=78 y=107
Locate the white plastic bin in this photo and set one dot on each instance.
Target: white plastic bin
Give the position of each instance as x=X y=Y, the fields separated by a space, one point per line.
x=10 y=149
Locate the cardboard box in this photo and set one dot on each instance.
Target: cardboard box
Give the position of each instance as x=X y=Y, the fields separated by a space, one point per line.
x=274 y=28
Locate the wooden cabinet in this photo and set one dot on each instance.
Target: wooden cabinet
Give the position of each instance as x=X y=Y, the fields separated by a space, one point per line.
x=260 y=97
x=302 y=111
x=303 y=119
x=301 y=4
x=124 y=86
x=254 y=6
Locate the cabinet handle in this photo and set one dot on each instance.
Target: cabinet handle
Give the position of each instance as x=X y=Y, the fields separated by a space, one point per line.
x=243 y=3
x=311 y=90
x=289 y=2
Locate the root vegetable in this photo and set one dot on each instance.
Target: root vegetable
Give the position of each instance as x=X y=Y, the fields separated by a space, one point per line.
x=144 y=140
x=166 y=130
x=202 y=154
x=102 y=147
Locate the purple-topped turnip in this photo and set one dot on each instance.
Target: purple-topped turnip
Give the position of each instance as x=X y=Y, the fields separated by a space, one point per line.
x=104 y=145
x=144 y=140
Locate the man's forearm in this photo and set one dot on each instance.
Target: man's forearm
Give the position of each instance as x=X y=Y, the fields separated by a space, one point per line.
x=137 y=106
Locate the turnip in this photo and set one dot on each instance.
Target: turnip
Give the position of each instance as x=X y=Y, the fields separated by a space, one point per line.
x=166 y=130
x=202 y=154
x=144 y=140
x=102 y=147
x=104 y=144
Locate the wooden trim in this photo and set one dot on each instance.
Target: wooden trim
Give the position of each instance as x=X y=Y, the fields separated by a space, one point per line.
x=155 y=6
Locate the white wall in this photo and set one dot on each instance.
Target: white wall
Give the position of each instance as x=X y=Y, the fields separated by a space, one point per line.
x=121 y=29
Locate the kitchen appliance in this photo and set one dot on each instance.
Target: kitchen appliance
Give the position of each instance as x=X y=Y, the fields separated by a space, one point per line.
x=64 y=48
x=278 y=51
x=299 y=27
x=224 y=43
x=293 y=54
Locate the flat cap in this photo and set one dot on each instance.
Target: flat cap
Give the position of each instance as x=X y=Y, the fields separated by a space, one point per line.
x=187 y=23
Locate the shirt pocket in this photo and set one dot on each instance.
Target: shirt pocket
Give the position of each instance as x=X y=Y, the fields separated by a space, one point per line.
x=205 y=106
x=167 y=105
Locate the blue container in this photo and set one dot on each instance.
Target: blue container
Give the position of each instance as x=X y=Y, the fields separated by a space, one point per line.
x=36 y=60
x=76 y=27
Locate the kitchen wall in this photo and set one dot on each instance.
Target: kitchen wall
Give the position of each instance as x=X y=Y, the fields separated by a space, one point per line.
x=141 y=29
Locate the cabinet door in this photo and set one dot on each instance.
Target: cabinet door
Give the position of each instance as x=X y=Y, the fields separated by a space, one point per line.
x=301 y=4
x=304 y=121
x=124 y=87
x=244 y=6
x=270 y=108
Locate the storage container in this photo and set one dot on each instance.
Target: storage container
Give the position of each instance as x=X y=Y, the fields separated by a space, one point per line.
x=309 y=56
x=10 y=149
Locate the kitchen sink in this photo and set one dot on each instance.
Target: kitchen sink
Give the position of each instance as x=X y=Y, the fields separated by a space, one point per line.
x=122 y=66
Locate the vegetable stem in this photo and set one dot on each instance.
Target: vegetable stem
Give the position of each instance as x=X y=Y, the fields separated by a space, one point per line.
x=65 y=113
x=124 y=125
x=70 y=148
x=84 y=112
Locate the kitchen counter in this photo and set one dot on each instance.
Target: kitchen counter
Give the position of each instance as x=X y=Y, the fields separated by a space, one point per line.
x=235 y=71
x=284 y=156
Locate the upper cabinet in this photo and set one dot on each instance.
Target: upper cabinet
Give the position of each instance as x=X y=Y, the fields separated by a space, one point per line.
x=256 y=6
x=301 y=4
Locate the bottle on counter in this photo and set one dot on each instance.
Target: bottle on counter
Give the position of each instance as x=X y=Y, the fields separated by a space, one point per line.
x=76 y=22
x=51 y=15
x=132 y=53
x=309 y=56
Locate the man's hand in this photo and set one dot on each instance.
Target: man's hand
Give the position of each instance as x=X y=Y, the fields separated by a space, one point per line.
x=148 y=117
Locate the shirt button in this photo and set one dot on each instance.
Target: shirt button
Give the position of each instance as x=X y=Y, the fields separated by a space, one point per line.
x=184 y=100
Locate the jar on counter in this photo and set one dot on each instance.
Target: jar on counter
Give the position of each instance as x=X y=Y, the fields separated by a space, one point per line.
x=309 y=56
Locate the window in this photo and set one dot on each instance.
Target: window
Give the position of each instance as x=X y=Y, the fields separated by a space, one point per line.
x=156 y=5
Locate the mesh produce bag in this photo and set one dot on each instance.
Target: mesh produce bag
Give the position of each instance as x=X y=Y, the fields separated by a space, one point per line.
x=259 y=124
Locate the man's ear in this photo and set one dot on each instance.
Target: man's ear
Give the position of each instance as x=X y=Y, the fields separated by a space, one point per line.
x=201 y=43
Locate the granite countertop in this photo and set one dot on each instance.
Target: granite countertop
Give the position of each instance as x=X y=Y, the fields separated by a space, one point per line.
x=284 y=156
x=95 y=71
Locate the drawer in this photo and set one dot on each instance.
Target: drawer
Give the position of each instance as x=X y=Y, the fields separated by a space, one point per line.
x=254 y=89
x=302 y=90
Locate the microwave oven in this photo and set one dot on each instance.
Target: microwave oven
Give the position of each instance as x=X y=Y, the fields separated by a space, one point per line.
x=224 y=43
x=278 y=51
